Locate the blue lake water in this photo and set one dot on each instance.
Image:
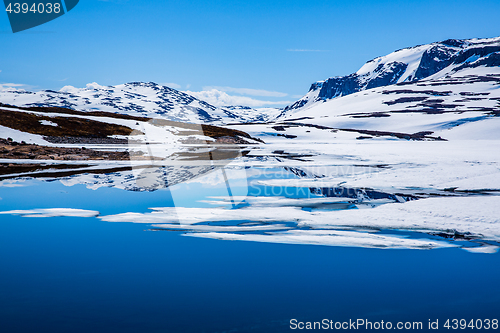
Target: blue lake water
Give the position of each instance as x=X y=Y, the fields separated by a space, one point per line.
x=81 y=274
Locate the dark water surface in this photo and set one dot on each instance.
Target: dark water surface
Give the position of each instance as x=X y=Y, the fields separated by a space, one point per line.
x=72 y=274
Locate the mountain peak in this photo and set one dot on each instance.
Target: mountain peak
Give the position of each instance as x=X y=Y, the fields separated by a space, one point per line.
x=434 y=60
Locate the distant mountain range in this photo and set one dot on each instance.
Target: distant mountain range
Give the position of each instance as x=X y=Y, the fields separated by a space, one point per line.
x=431 y=62
x=139 y=99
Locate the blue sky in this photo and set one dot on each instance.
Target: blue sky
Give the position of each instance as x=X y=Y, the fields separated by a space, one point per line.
x=267 y=50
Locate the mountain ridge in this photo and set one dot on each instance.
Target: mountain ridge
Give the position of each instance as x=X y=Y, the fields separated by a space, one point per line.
x=435 y=60
x=432 y=61
x=142 y=99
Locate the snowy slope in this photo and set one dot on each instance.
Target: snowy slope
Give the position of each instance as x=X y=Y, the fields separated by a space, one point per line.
x=441 y=106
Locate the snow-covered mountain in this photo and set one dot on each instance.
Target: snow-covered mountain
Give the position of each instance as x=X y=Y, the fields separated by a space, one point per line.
x=464 y=105
x=139 y=99
x=431 y=61
x=135 y=98
x=246 y=114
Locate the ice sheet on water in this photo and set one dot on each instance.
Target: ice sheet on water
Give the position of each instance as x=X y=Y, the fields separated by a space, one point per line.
x=53 y=212
x=474 y=219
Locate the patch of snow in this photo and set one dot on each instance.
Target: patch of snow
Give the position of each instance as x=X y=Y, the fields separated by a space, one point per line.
x=18 y=136
x=48 y=123
x=330 y=238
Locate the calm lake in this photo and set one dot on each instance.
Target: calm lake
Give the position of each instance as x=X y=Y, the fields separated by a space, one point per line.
x=84 y=274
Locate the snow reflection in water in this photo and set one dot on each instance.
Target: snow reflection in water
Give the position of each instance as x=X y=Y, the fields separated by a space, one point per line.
x=255 y=210
x=235 y=202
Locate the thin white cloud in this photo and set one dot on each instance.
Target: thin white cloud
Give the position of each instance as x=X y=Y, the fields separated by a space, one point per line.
x=171 y=85
x=248 y=91
x=89 y=86
x=221 y=98
x=95 y=86
x=306 y=50
x=13 y=85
